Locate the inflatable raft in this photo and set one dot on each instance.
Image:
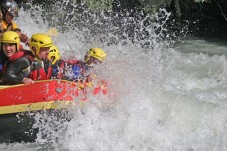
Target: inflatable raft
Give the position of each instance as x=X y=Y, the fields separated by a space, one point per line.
x=18 y=100
x=48 y=94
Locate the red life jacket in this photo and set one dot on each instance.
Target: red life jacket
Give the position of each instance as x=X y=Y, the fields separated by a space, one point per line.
x=40 y=73
x=58 y=69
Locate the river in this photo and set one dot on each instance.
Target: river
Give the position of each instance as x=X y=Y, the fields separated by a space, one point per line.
x=165 y=97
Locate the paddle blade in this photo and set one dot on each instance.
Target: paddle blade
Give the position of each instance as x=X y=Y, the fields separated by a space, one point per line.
x=52 y=32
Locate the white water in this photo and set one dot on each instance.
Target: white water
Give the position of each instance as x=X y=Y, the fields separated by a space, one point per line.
x=164 y=99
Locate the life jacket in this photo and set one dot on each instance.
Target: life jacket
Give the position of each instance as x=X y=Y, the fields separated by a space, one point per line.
x=57 y=69
x=85 y=72
x=74 y=70
x=40 y=70
x=8 y=27
x=82 y=65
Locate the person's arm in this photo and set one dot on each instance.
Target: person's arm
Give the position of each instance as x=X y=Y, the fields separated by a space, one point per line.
x=23 y=38
x=17 y=71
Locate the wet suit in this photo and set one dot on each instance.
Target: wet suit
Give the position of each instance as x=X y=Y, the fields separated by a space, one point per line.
x=25 y=66
x=15 y=70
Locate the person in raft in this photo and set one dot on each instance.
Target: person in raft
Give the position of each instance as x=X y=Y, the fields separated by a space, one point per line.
x=73 y=69
x=77 y=70
x=62 y=69
x=93 y=57
x=10 y=48
x=9 y=10
x=57 y=62
x=26 y=66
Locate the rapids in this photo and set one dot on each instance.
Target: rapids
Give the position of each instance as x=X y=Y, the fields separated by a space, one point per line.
x=161 y=97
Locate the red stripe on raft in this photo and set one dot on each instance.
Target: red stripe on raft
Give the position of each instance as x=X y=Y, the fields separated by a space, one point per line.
x=42 y=91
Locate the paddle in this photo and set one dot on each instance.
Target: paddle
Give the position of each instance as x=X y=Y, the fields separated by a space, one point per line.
x=52 y=32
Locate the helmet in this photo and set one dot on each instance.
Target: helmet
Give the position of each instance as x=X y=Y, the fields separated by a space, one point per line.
x=38 y=41
x=96 y=53
x=11 y=37
x=54 y=54
x=10 y=6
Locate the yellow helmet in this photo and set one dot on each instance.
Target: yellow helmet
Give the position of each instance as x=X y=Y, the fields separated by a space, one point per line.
x=38 y=41
x=11 y=37
x=54 y=54
x=97 y=53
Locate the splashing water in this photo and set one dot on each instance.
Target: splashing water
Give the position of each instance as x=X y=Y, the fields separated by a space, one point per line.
x=159 y=98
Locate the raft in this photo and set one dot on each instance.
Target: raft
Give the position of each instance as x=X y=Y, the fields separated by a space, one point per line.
x=47 y=94
x=21 y=99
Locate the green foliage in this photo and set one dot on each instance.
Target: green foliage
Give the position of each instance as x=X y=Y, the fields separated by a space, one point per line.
x=98 y=5
x=156 y=2
x=202 y=1
x=152 y=6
